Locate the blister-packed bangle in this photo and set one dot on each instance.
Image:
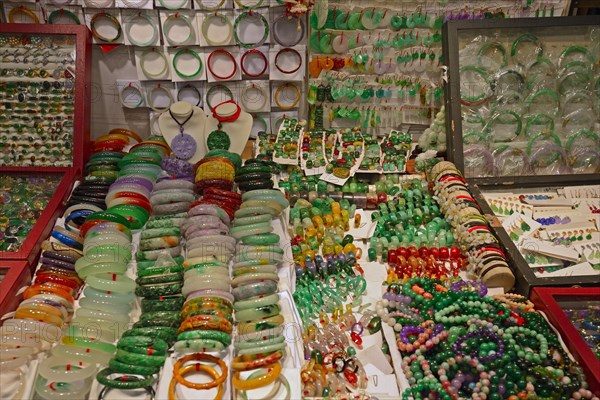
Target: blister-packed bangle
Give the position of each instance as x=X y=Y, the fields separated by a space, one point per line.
x=478 y=161
x=511 y=161
x=585 y=162
x=488 y=47
x=508 y=86
x=520 y=41
x=468 y=96
x=549 y=159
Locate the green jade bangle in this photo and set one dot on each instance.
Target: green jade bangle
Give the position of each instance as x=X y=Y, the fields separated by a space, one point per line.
x=108 y=216
x=86 y=343
x=574 y=50
x=537 y=121
x=489 y=46
x=254 y=16
x=108 y=252
x=542 y=136
x=100 y=268
x=213 y=89
x=163 y=304
x=156 y=291
x=144 y=345
x=268 y=269
x=258 y=313
x=125 y=368
x=62 y=12
x=159 y=232
x=195 y=55
x=125 y=382
x=578 y=135
x=265 y=239
x=198 y=346
x=489 y=127
x=266 y=349
x=540 y=93
x=167 y=334
x=137 y=216
x=527 y=37
x=206 y=334
x=260 y=341
x=484 y=75
x=253 y=219
x=254 y=289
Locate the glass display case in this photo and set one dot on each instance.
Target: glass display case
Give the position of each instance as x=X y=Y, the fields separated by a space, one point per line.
x=13 y=276
x=575 y=313
x=523 y=99
x=44 y=135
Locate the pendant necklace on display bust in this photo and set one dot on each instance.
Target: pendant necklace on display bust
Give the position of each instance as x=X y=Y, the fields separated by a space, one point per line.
x=183 y=145
x=219 y=139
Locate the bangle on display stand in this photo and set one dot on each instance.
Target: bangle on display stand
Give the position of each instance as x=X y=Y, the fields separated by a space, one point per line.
x=527 y=37
x=195 y=55
x=247 y=15
x=489 y=127
x=295 y=53
x=230 y=56
x=146 y=20
x=578 y=135
x=210 y=8
x=488 y=46
x=280 y=90
x=481 y=151
x=143 y=61
x=206 y=23
x=541 y=136
x=481 y=98
x=190 y=88
x=172 y=4
x=151 y=102
x=112 y=19
x=135 y=3
x=62 y=12
x=243 y=6
x=16 y=10
x=539 y=120
x=282 y=39
x=170 y=21
x=246 y=99
x=261 y=55
x=214 y=89
x=574 y=49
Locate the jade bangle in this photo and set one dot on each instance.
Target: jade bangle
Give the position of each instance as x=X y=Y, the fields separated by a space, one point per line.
x=579 y=134
x=125 y=368
x=194 y=55
x=102 y=296
x=489 y=126
x=484 y=75
x=493 y=46
x=253 y=289
x=111 y=282
x=167 y=334
x=266 y=349
x=162 y=304
x=101 y=268
x=243 y=279
x=254 y=219
x=527 y=37
x=125 y=382
x=158 y=279
x=259 y=341
x=269 y=268
x=542 y=136
x=198 y=345
x=222 y=337
x=144 y=345
x=262 y=239
x=256 y=302
x=89 y=343
x=156 y=291
x=253 y=15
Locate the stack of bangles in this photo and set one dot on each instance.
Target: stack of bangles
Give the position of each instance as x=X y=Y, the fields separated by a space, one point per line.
x=260 y=344
x=48 y=303
x=207 y=313
x=215 y=171
x=487 y=260
x=143 y=349
x=255 y=174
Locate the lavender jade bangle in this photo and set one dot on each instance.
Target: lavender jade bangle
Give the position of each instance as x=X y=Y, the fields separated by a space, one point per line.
x=136 y=180
x=482 y=151
x=202 y=226
x=207 y=209
x=209 y=220
x=551 y=147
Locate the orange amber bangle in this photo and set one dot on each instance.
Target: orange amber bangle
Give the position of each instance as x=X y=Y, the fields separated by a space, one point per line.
x=126 y=132
x=177 y=371
x=195 y=368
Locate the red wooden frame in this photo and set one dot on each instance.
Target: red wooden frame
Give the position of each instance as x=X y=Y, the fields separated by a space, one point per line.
x=83 y=64
x=17 y=275
x=546 y=299
x=81 y=145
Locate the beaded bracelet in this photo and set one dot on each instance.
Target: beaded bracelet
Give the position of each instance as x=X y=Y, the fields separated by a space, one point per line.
x=113 y=20
x=247 y=15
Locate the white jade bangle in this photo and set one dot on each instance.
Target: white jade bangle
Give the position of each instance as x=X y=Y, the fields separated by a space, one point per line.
x=191 y=288
x=205 y=25
x=170 y=21
x=71 y=371
x=31 y=329
x=134 y=88
x=81 y=353
x=242 y=279
x=144 y=18
x=151 y=102
x=206 y=252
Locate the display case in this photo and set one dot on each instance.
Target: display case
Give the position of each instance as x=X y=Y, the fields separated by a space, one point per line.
x=13 y=276
x=523 y=114
x=575 y=313
x=44 y=140
x=523 y=99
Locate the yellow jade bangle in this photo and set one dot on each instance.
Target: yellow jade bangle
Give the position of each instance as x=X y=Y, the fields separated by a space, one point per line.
x=38 y=315
x=280 y=90
x=264 y=324
x=273 y=372
x=177 y=370
x=25 y=11
x=195 y=368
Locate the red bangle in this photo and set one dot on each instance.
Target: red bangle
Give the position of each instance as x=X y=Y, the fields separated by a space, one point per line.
x=264 y=58
x=56 y=280
x=228 y=54
x=231 y=118
x=288 y=50
x=225 y=193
